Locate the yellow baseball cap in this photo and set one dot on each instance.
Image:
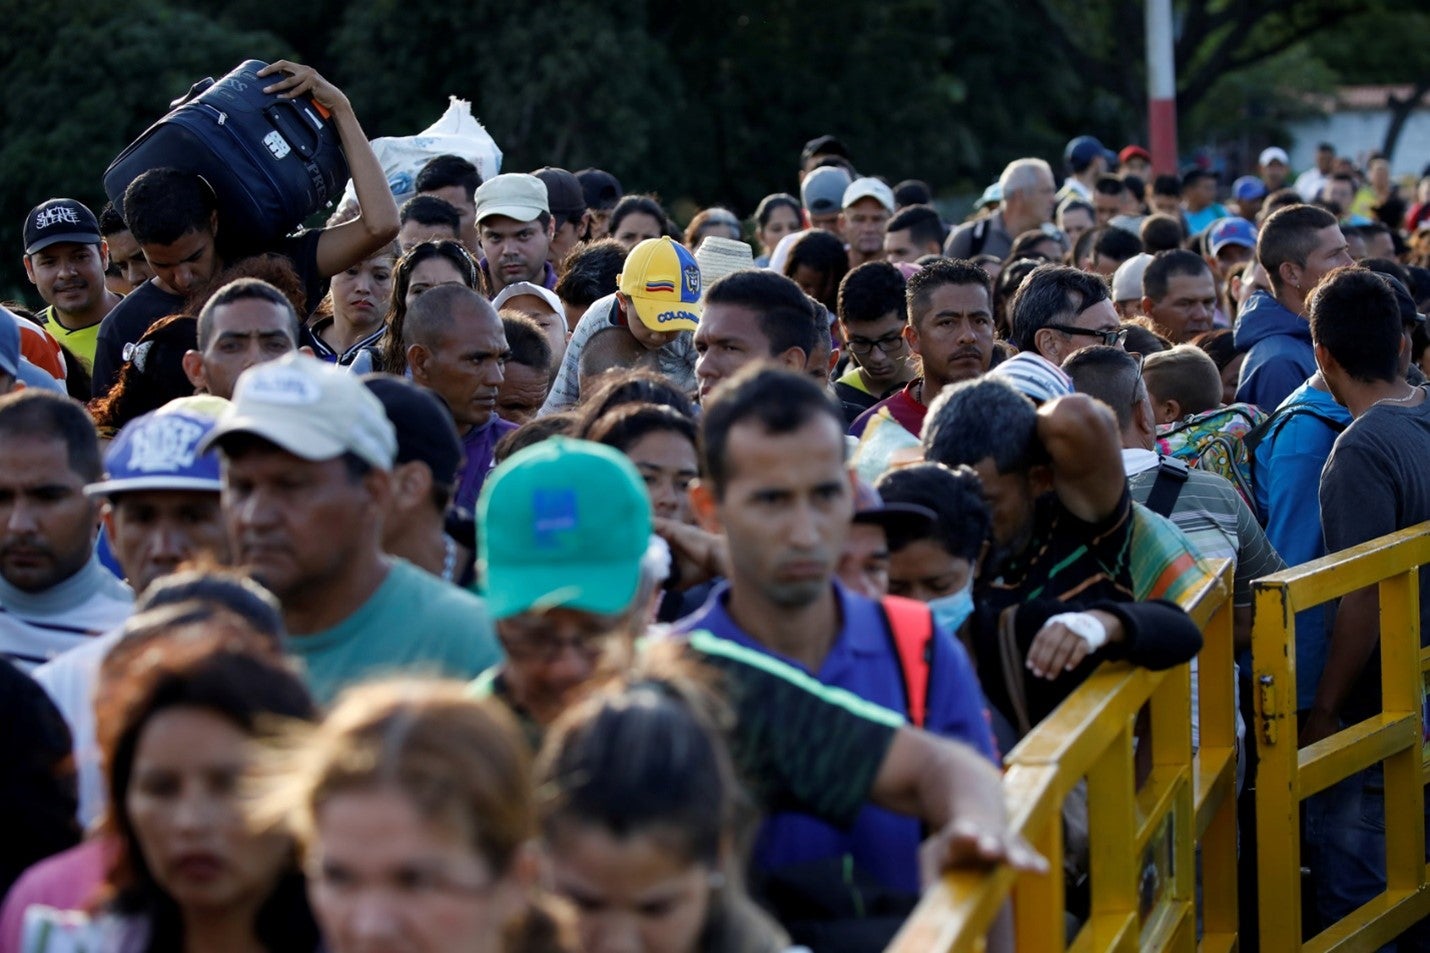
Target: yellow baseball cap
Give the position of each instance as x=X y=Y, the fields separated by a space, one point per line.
x=663 y=282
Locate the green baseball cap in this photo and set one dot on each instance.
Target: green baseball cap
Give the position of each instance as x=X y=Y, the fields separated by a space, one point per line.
x=562 y=524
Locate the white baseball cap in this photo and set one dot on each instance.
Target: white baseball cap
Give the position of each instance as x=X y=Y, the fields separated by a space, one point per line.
x=311 y=409
x=1127 y=279
x=1273 y=154
x=519 y=288
x=868 y=188
x=514 y=194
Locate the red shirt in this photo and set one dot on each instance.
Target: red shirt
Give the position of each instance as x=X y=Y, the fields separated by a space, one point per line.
x=903 y=407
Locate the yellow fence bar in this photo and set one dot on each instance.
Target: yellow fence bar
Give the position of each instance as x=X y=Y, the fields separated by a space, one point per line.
x=1288 y=775
x=1142 y=838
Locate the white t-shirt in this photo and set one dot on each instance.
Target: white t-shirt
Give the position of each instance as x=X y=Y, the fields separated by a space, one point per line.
x=70 y=681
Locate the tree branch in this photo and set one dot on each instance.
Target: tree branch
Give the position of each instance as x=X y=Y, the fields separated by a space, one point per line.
x=1400 y=110
x=1234 y=52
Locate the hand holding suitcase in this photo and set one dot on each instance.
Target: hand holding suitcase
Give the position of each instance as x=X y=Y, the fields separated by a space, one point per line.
x=264 y=144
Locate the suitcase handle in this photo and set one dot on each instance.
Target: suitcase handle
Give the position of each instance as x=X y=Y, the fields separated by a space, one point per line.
x=287 y=117
x=194 y=92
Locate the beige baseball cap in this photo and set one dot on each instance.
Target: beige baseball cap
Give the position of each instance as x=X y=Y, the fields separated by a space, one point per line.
x=311 y=409
x=513 y=194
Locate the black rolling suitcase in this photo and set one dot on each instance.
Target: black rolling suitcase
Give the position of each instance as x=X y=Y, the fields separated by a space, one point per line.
x=272 y=162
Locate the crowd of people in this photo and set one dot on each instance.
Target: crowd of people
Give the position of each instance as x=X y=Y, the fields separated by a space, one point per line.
x=513 y=569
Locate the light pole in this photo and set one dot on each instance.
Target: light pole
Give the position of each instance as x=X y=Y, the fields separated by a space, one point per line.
x=1161 y=87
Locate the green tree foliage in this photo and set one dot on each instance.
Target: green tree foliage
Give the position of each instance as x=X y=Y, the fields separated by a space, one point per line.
x=572 y=83
x=81 y=81
x=713 y=100
x=1386 y=45
x=1215 y=41
x=701 y=102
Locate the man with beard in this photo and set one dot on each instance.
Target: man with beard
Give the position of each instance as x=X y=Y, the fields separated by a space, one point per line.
x=951 y=330
x=1064 y=535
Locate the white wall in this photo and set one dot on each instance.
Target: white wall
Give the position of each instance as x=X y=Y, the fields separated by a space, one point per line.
x=1357 y=133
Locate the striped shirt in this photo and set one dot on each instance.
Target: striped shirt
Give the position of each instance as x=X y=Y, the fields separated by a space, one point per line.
x=1214 y=517
x=36 y=627
x=1129 y=556
x=780 y=711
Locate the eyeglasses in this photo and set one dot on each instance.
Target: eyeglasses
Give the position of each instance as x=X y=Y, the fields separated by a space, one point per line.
x=889 y=344
x=1139 y=389
x=1115 y=337
x=537 y=643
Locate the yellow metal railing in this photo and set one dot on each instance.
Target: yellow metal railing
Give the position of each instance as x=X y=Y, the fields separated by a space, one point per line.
x=1288 y=775
x=1142 y=862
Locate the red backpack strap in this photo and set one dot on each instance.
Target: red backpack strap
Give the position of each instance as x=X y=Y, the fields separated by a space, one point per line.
x=911 y=631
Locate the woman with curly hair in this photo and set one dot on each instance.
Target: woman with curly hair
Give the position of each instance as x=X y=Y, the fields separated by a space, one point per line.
x=151 y=376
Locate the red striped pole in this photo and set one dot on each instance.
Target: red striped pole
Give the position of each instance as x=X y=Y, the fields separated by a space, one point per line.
x=1161 y=87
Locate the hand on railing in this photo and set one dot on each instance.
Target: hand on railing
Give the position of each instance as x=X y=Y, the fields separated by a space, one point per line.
x=1068 y=638
x=968 y=843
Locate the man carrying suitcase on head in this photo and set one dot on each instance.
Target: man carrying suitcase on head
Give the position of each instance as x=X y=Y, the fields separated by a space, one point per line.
x=173 y=215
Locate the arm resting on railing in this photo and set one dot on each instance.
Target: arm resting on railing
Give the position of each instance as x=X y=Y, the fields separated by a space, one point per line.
x=957 y=794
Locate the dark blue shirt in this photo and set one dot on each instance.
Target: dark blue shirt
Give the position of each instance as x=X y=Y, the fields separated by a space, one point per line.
x=862 y=660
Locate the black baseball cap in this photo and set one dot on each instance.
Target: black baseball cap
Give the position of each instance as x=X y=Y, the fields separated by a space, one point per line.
x=912 y=192
x=424 y=425
x=903 y=519
x=601 y=189
x=563 y=192
x=60 y=220
x=1410 y=316
x=824 y=146
x=1195 y=174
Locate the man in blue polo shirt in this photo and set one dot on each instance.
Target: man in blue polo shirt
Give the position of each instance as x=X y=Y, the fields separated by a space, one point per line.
x=774 y=482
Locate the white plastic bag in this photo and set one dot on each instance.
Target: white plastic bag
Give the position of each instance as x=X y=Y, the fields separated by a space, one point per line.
x=457 y=133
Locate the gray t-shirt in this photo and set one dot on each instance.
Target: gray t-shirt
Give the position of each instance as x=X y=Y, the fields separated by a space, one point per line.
x=982 y=236
x=675 y=360
x=1376 y=482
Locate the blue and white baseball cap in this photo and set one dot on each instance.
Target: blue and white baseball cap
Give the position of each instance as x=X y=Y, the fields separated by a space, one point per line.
x=160 y=450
